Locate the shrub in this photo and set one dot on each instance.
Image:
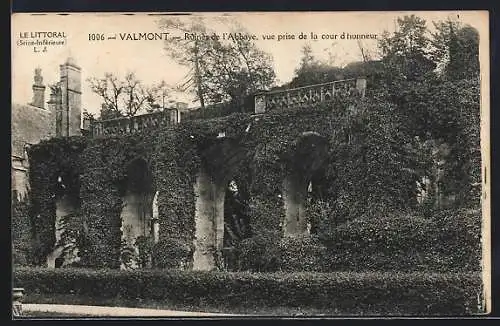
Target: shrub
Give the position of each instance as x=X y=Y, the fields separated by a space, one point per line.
x=447 y=241
x=171 y=253
x=259 y=253
x=128 y=255
x=21 y=231
x=344 y=293
x=301 y=253
x=144 y=245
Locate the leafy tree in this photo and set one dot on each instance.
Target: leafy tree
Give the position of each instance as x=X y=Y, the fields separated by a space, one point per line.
x=405 y=54
x=220 y=70
x=456 y=48
x=432 y=111
x=127 y=97
x=313 y=71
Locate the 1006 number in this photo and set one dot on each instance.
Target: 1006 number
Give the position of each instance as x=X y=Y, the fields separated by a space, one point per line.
x=96 y=37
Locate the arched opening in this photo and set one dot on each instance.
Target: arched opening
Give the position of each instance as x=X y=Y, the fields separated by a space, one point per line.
x=220 y=158
x=67 y=221
x=301 y=181
x=236 y=222
x=138 y=194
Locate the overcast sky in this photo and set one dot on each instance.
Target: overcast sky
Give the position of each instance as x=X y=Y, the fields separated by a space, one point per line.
x=151 y=64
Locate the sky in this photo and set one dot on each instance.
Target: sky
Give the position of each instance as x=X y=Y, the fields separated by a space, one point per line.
x=148 y=58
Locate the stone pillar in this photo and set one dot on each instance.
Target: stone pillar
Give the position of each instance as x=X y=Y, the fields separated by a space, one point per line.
x=361 y=86
x=294 y=196
x=205 y=237
x=219 y=197
x=209 y=222
x=155 y=219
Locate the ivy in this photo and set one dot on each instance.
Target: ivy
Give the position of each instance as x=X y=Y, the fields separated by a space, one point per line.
x=368 y=163
x=49 y=160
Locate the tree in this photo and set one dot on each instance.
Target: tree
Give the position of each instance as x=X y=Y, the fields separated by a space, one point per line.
x=440 y=41
x=188 y=51
x=405 y=54
x=313 y=71
x=127 y=97
x=219 y=70
x=455 y=47
x=436 y=110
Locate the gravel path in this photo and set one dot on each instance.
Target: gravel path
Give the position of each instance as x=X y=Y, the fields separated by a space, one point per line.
x=113 y=311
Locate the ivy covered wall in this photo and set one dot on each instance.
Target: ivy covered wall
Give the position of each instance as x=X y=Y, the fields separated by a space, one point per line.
x=367 y=167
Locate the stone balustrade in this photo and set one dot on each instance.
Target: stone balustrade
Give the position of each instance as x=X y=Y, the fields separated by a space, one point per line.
x=309 y=95
x=266 y=101
x=130 y=125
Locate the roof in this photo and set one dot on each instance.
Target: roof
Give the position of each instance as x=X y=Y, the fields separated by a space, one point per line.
x=29 y=125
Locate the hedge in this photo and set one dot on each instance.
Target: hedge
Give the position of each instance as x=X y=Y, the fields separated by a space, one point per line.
x=447 y=241
x=358 y=293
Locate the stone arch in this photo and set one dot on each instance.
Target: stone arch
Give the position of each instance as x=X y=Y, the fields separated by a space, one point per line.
x=304 y=162
x=220 y=158
x=138 y=193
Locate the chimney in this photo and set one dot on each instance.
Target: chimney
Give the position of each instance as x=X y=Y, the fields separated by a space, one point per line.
x=71 y=93
x=38 y=90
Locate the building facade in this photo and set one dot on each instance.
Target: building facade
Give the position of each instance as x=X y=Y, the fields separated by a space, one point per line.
x=39 y=120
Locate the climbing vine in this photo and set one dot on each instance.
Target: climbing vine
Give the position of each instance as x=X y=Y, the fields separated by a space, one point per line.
x=51 y=161
x=366 y=167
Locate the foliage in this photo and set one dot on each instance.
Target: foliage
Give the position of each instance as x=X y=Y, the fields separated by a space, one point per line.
x=301 y=254
x=404 y=54
x=49 y=160
x=413 y=123
x=21 y=231
x=313 y=71
x=237 y=225
x=128 y=255
x=220 y=70
x=144 y=245
x=444 y=114
x=259 y=253
x=447 y=241
x=385 y=293
x=126 y=97
x=71 y=236
x=171 y=253
x=372 y=164
x=456 y=48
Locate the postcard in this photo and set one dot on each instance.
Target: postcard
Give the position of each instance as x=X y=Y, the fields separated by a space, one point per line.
x=243 y=164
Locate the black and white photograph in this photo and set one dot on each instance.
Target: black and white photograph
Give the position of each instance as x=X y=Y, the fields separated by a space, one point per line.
x=235 y=165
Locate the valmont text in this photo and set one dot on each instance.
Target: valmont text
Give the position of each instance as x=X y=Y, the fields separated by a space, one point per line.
x=143 y=36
